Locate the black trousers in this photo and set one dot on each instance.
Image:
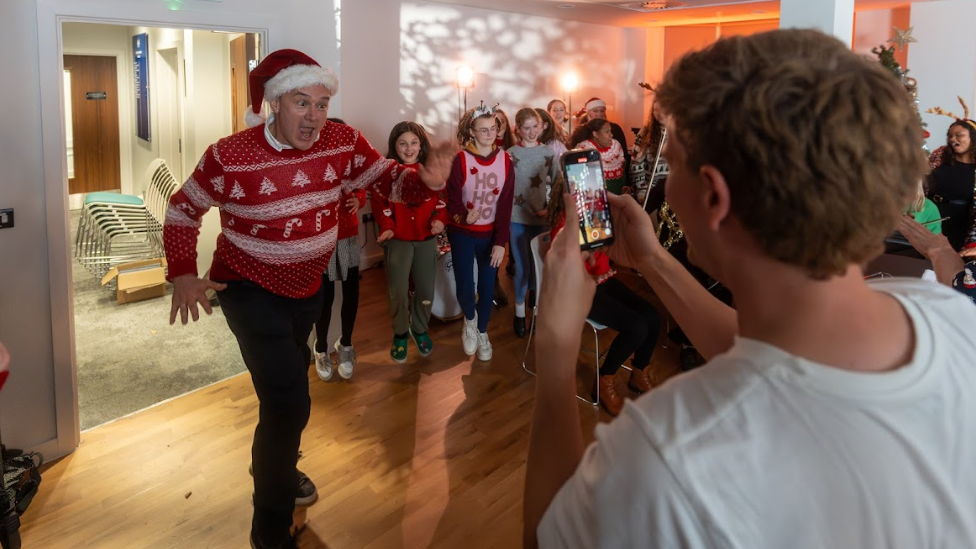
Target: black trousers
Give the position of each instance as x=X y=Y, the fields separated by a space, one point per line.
x=347 y=313
x=272 y=332
x=636 y=321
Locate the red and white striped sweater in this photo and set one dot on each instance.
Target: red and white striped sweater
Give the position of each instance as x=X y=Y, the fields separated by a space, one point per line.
x=279 y=210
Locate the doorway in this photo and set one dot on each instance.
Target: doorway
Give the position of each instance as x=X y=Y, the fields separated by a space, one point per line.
x=128 y=357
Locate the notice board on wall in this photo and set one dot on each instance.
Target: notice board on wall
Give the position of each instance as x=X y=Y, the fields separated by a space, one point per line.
x=140 y=50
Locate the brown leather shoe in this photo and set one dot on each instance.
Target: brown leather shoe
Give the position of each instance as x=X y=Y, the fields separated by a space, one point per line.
x=611 y=401
x=639 y=380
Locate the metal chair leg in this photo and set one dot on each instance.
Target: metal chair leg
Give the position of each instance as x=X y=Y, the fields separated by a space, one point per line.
x=529 y=341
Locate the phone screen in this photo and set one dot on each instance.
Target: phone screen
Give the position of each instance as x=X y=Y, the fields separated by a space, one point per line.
x=584 y=176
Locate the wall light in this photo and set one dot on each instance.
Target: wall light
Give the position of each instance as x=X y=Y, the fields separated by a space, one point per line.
x=464 y=78
x=570 y=84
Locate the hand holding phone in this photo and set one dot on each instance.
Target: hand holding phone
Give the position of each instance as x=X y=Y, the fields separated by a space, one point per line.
x=584 y=178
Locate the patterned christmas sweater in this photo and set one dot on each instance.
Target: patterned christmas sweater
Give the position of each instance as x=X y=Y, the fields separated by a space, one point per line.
x=279 y=210
x=612 y=159
x=410 y=222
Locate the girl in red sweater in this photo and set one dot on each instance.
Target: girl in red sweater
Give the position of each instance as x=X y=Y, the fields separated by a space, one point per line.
x=344 y=267
x=408 y=233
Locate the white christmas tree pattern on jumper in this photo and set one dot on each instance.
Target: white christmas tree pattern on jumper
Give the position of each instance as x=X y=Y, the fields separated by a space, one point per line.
x=267 y=187
x=330 y=175
x=300 y=180
x=218 y=184
x=236 y=191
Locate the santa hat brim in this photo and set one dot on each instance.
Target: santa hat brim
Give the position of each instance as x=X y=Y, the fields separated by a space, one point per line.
x=290 y=79
x=300 y=76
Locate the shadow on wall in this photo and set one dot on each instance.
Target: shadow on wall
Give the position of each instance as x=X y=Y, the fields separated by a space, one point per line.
x=518 y=61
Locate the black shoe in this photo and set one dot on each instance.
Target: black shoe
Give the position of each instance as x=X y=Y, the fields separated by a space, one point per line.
x=519 y=326
x=290 y=543
x=306 y=494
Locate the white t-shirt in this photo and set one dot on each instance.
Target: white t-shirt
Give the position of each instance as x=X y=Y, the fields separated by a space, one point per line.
x=762 y=449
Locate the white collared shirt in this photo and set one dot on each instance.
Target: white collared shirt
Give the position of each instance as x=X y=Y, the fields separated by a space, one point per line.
x=272 y=140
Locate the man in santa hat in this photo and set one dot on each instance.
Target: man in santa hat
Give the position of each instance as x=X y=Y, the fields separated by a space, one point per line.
x=597 y=108
x=278 y=187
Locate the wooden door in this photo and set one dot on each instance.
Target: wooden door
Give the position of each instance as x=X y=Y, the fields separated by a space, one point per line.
x=243 y=51
x=95 y=123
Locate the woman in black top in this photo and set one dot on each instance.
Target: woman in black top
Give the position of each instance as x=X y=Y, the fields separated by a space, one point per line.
x=951 y=183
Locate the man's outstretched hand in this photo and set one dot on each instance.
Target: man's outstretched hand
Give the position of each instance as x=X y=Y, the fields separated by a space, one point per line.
x=188 y=292
x=435 y=171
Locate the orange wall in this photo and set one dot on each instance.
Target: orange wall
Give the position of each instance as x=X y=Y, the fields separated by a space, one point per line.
x=681 y=40
x=874 y=28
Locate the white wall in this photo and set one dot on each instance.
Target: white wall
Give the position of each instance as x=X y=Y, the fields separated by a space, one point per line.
x=943 y=61
x=38 y=407
x=399 y=60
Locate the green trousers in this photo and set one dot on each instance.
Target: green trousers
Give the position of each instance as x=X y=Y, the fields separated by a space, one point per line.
x=406 y=260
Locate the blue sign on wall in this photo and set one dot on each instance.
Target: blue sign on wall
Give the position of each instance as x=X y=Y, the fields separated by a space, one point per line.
x=140 y=49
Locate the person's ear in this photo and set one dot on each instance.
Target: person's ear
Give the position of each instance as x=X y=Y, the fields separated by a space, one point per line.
x=716 y=199
x=275 y=105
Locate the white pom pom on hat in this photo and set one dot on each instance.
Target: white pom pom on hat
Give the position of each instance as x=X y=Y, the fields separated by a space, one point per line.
x=280 y=72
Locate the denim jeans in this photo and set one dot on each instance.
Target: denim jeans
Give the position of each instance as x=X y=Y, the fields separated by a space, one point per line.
x=465 y=252
x=521 y=236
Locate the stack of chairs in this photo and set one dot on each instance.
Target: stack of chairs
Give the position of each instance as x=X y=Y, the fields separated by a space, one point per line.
x=117 y=228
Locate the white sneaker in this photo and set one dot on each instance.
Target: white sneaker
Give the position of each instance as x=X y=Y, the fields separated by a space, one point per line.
x=484 y=347
x=323 y=364
x=347 y=359
x=469 y=335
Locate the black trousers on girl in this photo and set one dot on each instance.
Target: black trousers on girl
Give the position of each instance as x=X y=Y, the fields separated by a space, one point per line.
x=347 y=313
x=272 y=332
x=636 y=321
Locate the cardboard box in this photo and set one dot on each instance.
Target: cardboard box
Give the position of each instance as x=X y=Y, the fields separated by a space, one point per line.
x=139 y=280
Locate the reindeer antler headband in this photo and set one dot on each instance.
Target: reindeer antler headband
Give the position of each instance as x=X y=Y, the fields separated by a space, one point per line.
x=484 y=110
x=965 y=113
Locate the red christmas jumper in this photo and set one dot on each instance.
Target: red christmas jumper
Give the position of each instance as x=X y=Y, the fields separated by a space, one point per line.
x=279 y=210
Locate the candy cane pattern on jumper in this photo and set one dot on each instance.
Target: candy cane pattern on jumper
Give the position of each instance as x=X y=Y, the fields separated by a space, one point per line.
x=318 y=219
x=187 y=208
x=294 y=222
x=257 y=227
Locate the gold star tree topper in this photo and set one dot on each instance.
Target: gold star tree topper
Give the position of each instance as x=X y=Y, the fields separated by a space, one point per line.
x=902 y=37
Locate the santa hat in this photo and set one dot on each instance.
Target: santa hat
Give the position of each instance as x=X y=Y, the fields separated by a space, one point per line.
x=593 y=103
x=280 y=72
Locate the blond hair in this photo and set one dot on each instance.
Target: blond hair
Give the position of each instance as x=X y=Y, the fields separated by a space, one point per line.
x=819 y=146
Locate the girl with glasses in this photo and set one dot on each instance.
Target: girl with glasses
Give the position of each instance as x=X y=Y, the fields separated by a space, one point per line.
x=480 y=194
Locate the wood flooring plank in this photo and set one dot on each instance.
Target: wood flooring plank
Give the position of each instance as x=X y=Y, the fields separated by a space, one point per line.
x=428 y=454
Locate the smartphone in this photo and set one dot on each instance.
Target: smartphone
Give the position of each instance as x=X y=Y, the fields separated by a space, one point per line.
x=584 y=177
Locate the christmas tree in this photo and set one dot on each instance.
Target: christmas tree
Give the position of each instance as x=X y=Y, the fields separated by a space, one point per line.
x=887 y=58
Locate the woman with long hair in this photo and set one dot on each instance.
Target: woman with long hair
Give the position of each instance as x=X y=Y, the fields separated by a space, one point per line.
x=557 y=110
x=952 y=183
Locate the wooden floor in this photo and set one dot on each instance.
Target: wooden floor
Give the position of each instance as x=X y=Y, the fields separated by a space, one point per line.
x=430 y=453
